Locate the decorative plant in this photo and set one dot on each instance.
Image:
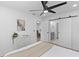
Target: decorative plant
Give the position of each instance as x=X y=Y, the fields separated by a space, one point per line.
x=14 y=36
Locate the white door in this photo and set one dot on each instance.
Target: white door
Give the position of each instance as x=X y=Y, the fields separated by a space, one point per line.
x=65 y=32
x=75 y=33
x=62 y=28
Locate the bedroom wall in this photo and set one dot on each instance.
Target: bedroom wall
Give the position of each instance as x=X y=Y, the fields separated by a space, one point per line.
x=8 y=25
x=44 y=31
x=69 y=30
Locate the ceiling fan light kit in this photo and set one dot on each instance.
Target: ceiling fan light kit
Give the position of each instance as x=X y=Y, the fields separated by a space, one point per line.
x=45 y=11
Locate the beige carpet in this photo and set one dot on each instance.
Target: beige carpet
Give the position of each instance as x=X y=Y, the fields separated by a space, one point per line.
x=34 y=51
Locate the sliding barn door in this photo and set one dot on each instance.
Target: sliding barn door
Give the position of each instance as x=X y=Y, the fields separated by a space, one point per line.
x=75 y=33
x=64 y=32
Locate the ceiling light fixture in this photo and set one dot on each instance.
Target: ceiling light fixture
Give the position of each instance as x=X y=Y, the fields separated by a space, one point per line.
x=75 y=5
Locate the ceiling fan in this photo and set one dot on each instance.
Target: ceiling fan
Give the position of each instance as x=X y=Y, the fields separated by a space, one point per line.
x=47 y=9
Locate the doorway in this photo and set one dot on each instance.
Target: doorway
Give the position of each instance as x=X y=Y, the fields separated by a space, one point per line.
x=53 y=30
x=38 y=31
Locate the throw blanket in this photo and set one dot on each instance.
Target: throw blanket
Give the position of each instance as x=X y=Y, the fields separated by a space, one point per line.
x=34 y=51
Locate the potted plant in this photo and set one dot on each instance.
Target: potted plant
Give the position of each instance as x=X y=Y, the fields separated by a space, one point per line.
x=14 y=36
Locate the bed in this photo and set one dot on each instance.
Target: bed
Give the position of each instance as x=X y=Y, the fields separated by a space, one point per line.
x=42 y=49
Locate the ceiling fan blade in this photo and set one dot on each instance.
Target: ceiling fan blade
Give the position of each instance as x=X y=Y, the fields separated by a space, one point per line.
x=51 y=11
x=41 y=13
x=57 y=5
x=44 y=4
x=35 y=10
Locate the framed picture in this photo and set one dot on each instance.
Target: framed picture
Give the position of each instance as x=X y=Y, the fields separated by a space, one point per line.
x=20 y=24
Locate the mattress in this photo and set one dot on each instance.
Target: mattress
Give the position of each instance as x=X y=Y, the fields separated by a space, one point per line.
x=42 y=49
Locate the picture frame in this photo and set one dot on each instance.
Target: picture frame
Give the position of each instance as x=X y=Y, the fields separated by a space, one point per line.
x=20 y=24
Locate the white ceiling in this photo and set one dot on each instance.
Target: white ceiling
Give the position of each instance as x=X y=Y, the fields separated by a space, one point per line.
x=36 y=5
